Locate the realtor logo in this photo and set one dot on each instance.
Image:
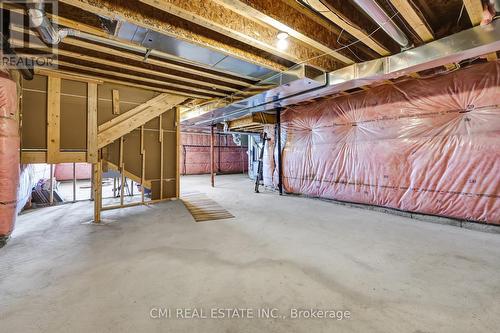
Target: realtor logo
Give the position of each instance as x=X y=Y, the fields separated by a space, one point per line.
x=30 y=34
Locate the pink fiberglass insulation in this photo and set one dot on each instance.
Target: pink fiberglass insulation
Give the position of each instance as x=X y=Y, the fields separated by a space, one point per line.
x=195 y=154
x=9 y=156
x=64 y=171
x=430 y=146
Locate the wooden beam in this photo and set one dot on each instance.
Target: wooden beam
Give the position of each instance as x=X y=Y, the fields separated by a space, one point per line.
x=338 y=17
x=82 y=56
x=53 y=118
x=475 y=10
x=92 y=123
x=253 y=119
x=195 y=92
x=215 y=17
x=67 y=76
x=167 y=65
x=132 y=12
x=129 y=175
x=415 y=21
x=136 y=117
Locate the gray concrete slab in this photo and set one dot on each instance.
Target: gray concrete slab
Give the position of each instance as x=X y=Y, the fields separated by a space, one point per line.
x=393 y=274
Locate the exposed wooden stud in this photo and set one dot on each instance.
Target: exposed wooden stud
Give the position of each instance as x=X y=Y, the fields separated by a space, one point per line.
x=415 y=21
x=140 y=115
x=116 y=101
x=97 y=190
x=53 y=118
x=92 y=132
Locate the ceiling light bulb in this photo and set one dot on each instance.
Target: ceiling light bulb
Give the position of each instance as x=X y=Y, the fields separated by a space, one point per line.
x=282 y=44
x=282 y=35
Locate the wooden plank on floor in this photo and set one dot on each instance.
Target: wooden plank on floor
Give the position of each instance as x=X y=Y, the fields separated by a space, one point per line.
x=202 y=208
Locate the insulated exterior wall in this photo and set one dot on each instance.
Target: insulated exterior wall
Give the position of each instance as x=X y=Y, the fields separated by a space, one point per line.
x=9 y=156
x=195 y=154
x=430 y=146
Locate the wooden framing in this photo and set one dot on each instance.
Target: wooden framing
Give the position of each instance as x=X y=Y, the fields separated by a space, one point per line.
x=475 y=10
x=416 y=21
x=229 y=23
x=169 y=66
x=97 y=190
x=135 y=118
x=111 y=10
x=255 y=119
x=116 y=101
x=92 y=123
x=340 y=21
x=53 y=118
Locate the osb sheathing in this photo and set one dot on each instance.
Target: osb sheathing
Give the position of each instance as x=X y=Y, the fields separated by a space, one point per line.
x=154 y=19
x=294 y=17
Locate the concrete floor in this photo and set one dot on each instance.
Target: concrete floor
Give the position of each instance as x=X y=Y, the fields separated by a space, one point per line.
x=392 y=273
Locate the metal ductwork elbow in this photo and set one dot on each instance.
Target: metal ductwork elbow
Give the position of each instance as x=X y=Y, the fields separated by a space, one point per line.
x=41 y=23
x=373 y=9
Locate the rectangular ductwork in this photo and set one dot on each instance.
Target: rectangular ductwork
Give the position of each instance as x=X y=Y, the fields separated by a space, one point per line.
x=464 y=45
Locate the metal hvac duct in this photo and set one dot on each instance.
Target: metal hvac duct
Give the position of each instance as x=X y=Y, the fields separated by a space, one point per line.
x=41 y=23
x=379 y=16
x=466 y=44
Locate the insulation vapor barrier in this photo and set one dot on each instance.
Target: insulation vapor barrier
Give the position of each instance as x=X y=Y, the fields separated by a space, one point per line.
x=195 y=154
x=9 y=156
x=429 y=146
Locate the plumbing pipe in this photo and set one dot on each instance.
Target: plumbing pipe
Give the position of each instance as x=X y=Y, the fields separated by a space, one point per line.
x=379 y=16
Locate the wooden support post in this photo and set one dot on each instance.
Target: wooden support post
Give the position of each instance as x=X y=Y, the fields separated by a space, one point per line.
x=97 y=190
x=92 y=123
x=278 y=141
x=212 y=153
x=51 y=194
x=74 y=182
x=143 y=174
x=53 y=118
x=122 y=173
x=161 y=157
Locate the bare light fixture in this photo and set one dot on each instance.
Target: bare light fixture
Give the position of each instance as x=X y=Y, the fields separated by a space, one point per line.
x=282 y=43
